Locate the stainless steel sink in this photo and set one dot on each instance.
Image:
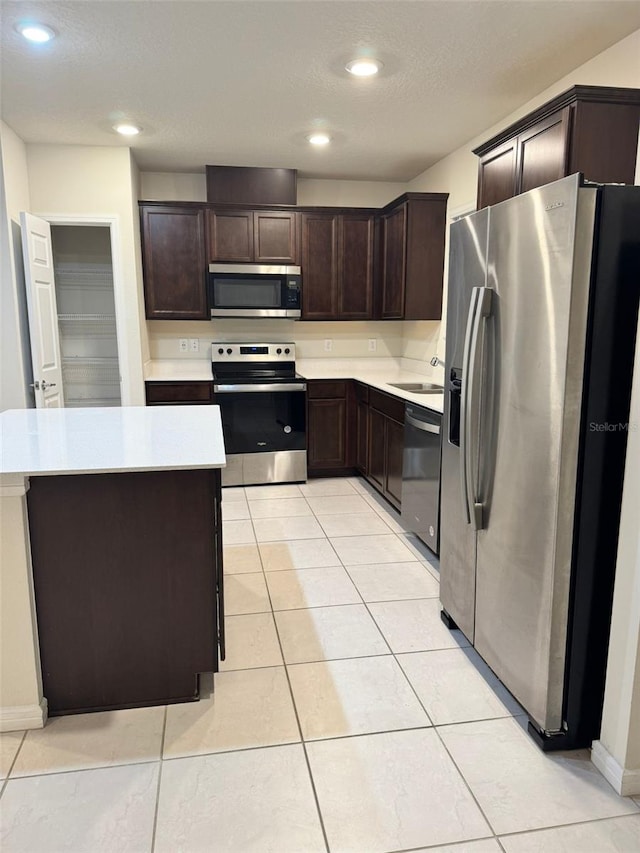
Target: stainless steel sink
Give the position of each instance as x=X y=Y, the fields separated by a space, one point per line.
x=418 y=387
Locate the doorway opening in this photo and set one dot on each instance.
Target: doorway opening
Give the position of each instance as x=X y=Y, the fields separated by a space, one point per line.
x=83 y=267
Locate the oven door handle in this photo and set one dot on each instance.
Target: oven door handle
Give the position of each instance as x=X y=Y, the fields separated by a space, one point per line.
x=247 y=388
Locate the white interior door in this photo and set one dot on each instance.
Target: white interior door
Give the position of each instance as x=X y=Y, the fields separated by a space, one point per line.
x=43 y=312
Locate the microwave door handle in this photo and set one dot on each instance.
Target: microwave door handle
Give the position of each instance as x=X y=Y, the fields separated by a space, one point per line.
x=473 y=405
x=464 y=437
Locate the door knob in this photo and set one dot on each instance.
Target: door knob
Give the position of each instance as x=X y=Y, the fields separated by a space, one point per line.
x=46 y=385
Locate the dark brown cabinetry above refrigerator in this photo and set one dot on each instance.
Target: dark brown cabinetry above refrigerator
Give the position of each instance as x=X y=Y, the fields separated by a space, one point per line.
x=588 y=129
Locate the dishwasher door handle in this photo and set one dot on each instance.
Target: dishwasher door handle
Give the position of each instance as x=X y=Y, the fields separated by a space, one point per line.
x=433 y=428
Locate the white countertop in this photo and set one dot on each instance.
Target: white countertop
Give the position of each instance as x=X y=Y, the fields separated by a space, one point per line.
x=378 y=375
x=111 y=440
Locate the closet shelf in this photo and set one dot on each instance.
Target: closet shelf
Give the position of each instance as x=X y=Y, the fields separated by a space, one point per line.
x=97 y=371
x=91 y=277
x=87 y=325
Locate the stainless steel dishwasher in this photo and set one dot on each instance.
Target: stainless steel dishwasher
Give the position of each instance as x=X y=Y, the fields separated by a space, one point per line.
x=421 y=474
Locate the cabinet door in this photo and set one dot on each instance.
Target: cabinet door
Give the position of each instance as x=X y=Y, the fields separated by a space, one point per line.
x=275 y=237
x=319 y=266
x=327 y=433
x=355 y=273
x=174 y=259
x=377 y=448
x=230 y=235
x=543 y=151
x=394 y=263
x=497 y=174
x=394 y=446
x=362 y=437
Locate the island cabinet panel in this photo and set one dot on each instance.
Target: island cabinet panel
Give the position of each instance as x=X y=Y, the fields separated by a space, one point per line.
x=361 y=392
x=337 y=266
x=128 y=586
x=174 y=261
x=412 y=263
x=258 y=236
x=588 y=129
x=376 y=465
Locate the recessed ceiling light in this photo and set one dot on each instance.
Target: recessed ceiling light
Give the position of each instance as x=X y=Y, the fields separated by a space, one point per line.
x=319 y=139
x=363 y=67
x=127 y=129
x=36 y=32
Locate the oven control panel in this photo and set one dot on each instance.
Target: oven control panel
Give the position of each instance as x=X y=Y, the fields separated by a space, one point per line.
x=241 y=351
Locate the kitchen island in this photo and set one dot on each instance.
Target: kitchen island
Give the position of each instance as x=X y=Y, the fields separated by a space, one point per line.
x=117 y=564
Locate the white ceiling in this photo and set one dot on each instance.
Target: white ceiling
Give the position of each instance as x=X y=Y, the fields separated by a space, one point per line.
x=242 y=82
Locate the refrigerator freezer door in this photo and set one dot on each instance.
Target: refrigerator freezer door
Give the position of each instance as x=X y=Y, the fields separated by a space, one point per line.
x=539 y=260
x=467 y=269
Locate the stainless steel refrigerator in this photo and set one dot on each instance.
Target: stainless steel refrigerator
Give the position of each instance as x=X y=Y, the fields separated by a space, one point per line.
x=541 y=324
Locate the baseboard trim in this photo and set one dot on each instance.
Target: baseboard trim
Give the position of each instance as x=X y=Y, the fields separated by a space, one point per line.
x=625 y=782
x=15 y=718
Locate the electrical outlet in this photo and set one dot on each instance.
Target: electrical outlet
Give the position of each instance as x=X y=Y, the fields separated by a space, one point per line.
x=328 y=344
x=373 y=344
x=194 y=344
x=184 y=345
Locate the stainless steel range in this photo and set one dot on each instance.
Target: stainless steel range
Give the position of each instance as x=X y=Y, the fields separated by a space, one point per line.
x=263 y=407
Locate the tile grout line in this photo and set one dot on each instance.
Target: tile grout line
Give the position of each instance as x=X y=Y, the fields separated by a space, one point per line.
x=5 y=781
x=155 y=812
x=434 y=728
x=295 y=710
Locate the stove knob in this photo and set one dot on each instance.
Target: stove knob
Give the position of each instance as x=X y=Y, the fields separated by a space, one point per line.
x=278 y=350
x=220 y=351
x=229 y=350
x=287 y=351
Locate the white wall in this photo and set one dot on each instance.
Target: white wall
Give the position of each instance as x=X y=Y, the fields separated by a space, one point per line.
x=98 y=181
x=349 y=340
x=457 y=174
x=173 y=186
x=15 y=366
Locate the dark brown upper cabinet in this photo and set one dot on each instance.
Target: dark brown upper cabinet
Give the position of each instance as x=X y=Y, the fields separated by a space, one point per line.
x=258 y=236
x=174 y=261
x=412 y=257
x=588 y=129
x=337 y=266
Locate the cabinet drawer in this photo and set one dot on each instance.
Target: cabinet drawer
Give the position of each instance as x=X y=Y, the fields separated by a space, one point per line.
x=390 y=406
x=362 y=392
x=178 y=392
x=327 y=389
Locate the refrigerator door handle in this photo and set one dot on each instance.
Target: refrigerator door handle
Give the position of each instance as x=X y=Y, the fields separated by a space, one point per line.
x=472 y=405
x=464 y=392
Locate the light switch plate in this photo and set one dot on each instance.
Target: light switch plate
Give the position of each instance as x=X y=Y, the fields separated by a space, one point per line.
x=373 y=344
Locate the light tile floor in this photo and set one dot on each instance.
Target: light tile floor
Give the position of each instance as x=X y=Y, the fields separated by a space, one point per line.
x=346 y=718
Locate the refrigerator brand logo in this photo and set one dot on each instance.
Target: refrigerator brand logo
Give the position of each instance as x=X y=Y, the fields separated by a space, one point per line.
x=607 y=427
x=553 y=205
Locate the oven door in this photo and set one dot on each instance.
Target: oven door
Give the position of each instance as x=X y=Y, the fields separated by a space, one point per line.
x=252 y=290
x=264 y=430
x=260 y=418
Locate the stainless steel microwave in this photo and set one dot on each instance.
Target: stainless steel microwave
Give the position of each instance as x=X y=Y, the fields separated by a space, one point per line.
x=254 y=290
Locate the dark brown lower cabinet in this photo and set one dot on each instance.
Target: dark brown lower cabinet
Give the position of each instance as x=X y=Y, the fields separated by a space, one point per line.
x=353 y=427
x=128 y=583
x=178 y=393
x=394 y=446
x=376 y=448
x=328 y=427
